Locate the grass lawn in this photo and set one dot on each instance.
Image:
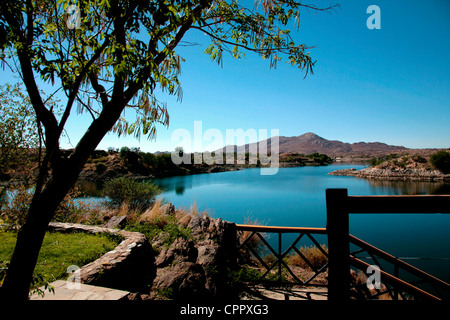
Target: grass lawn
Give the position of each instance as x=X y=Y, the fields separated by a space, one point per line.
x=59 y=251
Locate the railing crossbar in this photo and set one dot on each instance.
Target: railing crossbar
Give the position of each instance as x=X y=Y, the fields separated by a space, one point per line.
x=305 y=259
x=258 y=257
x=317 y=244
x=267 y=244
x=247 y=239
x=407 y=286
x=319 y=271
x=294 y=244
x=371 y=250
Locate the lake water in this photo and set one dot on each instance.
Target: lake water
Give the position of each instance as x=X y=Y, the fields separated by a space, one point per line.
x=296 y=197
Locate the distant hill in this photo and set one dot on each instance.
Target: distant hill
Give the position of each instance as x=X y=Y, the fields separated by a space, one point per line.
x=310 y=143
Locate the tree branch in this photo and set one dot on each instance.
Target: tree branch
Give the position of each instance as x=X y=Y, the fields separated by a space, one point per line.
x=87 y=107
x=256 y=50
x=74 y=91
x=135 y=87
x=98 y=88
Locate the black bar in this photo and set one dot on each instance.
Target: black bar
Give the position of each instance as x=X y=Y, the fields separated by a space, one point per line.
x=338 y=245
x=279 y=256
x=399 y=204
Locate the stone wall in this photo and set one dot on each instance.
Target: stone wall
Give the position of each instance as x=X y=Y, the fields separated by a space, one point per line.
x=130 y=266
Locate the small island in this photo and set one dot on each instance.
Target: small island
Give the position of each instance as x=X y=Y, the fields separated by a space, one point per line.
x=406 y=167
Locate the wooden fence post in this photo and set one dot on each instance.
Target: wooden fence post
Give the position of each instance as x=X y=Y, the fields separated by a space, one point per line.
x=338 y=245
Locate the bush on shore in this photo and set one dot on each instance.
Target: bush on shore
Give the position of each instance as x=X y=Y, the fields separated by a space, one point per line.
x=441 y=161
x=138 y=195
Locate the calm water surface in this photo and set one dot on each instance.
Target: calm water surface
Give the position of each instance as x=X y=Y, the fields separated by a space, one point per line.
x=296 y=197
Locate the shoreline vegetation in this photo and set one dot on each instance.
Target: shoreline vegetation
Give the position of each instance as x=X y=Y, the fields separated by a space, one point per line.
x=430 y=165
x=133 y=163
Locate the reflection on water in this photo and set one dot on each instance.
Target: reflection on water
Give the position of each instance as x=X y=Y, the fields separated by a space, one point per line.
x=180 y=184
x=91 y=189
x=409 y=187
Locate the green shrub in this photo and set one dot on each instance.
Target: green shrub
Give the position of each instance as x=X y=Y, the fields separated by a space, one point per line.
x=149 y=159
x=168 y=232
x=441 y=161
x=138 y=195
x=15 y=206
x=100 y=160
x=418 y=158
x=376 y=161
x=320 y=158
x=124 y=151
x=164 y=162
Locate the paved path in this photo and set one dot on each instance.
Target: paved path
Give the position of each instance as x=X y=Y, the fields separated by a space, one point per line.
x=306 y=293
x=88 y=292
x=84 y=292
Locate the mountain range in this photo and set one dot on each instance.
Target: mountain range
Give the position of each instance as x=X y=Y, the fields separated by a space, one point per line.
x=310 y=143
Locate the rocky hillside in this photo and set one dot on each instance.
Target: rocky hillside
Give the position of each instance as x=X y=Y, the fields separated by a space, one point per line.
x=311 y=143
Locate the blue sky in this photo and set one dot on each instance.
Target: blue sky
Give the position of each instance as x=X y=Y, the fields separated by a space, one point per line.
x=389 y=85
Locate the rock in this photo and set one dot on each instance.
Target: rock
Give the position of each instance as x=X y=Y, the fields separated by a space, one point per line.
x=116 y=222
x=207 y=254
x=217 y=251
x=203 y=263
x=184 y=280
x=184 y=220
x=131 y=267
x=206 y=227
x=180 y=250
x=167 y=209
x=211 y=258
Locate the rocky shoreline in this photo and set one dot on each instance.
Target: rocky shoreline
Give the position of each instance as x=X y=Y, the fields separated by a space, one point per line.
x=407 y=167
x=394 y=174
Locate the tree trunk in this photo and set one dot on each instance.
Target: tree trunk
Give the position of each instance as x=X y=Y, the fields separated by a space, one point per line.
x=42 y=209
x=29 y=239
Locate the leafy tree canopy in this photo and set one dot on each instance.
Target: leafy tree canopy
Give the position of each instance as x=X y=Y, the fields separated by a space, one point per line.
x=122 y=50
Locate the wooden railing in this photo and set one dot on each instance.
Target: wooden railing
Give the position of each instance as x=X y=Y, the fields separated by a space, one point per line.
x=339 y=206
x=256 y=232
x=339 y=257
